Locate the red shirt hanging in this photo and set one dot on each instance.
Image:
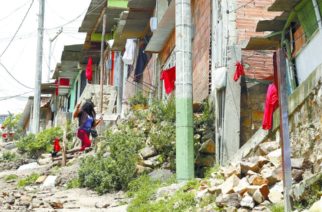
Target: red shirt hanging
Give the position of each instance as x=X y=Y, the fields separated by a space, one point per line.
x=169 y=77
x=271 y=104
x=89 y=69
x=57 y=147
x=239 y=71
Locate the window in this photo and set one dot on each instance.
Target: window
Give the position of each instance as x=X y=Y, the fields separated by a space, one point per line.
x=306 y=15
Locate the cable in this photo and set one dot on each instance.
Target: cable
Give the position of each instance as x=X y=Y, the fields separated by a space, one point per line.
x=23 y=20
x=5 y=68
x=244 y=5
x=14 y=96
x=13 y=12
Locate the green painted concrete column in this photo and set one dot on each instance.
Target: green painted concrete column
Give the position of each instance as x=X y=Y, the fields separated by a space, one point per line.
x=184 y=121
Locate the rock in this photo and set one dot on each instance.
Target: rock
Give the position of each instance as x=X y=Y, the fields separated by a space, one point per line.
x=275 y=157
x=258 y=197
x=147 y=152
x=142 y=169
x=50 y=182
x=153 y=161
x=28 y=166
x=208 y=147
x=247 y=202
x=257 y=180
x=9 y=146
x=246 y=166
x=10 y=200
x=161 y=174
x=242 y=186
x=216 y=190
x=276 y=193
x=197 y=137
x=44 y=161
x=229 y=185
x=205 y=160
x=230 y=170
x=243 y=210
x=101 y=205
x=169 y=190
x=268 y=147
x=273 y=175
x=264 y=189
x=41 y=179
x=45 y=155
x=36 y=203
x=316 y=207
x=25 y=200
x=201 y=194
x=301 y=163
x=226 y=200
x=231 y=209
x=261 y=208
x=297 y=175
x=251 y=189
x=56 y=204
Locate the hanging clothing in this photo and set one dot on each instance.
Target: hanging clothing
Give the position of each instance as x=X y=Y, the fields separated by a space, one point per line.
x=239 y=71
x=128 y=56
x=271 y=104
x=169 y=78
x=57 y=147
x=140 y=65
x=89 y=70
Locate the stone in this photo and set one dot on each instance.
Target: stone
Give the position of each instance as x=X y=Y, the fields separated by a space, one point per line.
x=273 y=175
x=56 y=204
x=28 y=166
x=25 y=200
x=45 y=155
x=147 y=152
x=230 y=170
x=251 y=189
x=258 y=197
x=275 y=157
x=267 y=147
x=257 y=180
x=205 y=160
x=101 y=205
x=142 y=169
x=44 y=161
x=41 y=179
x=9 y=146
x=208 y=147
x=242 y=186
x=246 y=166
x=264 y=189
x=153 y=161
x=197 y=137
x=276 y=193
x=50 y=182
x=247 y=202
x=297 y=175
x=216 y=190
x=229 y=184
x=228 y=200
x=243 y=210
x=301 y=163
x=316 y=207
x=169 y=190
x=10 y=200
x=161 y=175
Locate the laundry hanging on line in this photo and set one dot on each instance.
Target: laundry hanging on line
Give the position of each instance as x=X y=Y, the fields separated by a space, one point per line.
x=169 y=78
x=239 y=71
x=89 y=69
x=271 y=104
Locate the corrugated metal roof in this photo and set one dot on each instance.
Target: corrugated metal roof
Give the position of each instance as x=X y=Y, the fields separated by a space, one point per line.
x=164 y=30
x=283 y=5
x=93 y=12
x=261 y=43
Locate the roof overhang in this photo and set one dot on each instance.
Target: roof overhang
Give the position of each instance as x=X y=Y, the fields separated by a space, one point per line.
x=262 y=43
x=47 y=88
x=164 y=30
x=283 y=5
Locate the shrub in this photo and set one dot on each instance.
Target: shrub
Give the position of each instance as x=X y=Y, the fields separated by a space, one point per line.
x=73 y=183
x=115 y=172
x=29 y=180
x=8 y=156
x=138 y=99
x=164 y=111
x=35 y=145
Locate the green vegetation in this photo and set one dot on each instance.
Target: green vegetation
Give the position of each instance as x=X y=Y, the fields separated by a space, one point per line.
x=277 y=208
x=10 y=177
x=11 y=124
x=8 y=156
x=35 y=145
x=29 y=180
x=138 y=99
x=73 y=183
x=143 y=189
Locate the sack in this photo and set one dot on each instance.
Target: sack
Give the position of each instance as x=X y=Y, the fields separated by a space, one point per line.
x=219 y=78
x=94 y=133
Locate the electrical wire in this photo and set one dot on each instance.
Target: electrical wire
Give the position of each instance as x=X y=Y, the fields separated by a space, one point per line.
x=240 y=7
x=20 y=25
x=3 y=98
x=13 y=12
x=5 y=68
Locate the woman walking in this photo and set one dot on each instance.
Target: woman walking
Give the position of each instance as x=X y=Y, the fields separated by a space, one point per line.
x=86 y=120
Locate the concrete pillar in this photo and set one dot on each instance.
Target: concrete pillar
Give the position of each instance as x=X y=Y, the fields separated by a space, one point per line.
x=184 y=122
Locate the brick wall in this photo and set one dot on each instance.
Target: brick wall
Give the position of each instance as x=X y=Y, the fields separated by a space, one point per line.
x=201 y=13
x=257 y=64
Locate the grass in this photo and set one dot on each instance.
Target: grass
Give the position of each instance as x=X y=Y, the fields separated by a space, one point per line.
x=73 y=183
x=29 y=180
x=10 y=177
x=277 y=208
x=8 y=156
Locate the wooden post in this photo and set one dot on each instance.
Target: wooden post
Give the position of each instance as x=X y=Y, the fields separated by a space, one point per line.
x=284 y=128
x=64 y=159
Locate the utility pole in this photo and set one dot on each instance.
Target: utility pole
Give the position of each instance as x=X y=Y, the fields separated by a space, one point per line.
x=40 y=38
x=284 y=128
x=49 y=54
x=102 y=64
x=184 y=122
x=119 y=65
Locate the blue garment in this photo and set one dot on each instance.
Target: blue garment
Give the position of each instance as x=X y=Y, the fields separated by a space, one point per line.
x=88 y=123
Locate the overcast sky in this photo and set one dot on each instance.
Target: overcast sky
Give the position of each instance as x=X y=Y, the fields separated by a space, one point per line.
x=20 y=57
